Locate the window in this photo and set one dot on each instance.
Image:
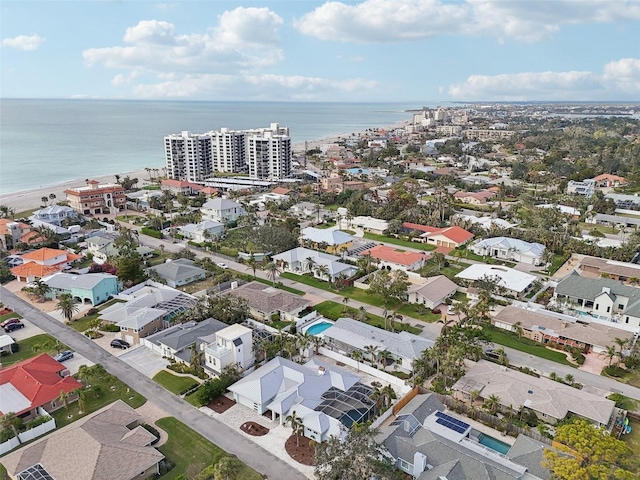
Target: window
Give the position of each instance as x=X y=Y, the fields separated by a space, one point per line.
x=620 y=306
x=608 y=309
x=597 y=305
x=404 y=465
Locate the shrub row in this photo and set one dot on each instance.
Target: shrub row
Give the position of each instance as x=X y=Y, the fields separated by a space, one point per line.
x=151 y=232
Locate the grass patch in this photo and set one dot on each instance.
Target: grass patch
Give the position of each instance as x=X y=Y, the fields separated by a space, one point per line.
x=186 y=447
x=280 y=286
x=450 y=272
x=508 y=340
x=82 y=324
x=326 y=225
x=105 y=389
x=459 y=296
x=334 y=310
x=10 y=315
x=192 y=398
x=633 y=439
x=174 y=383
x=421 y=313
x=399 y=241
x=129 y=218
x=32 y=346
x=307 y=280
x=279 y=324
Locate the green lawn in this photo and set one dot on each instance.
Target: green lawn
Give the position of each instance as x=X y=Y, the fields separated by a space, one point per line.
x=633 y=439
x=188 y=448
x=174 y=383
x=450 y=272
x=307 y=280
x=508 y=340
x=192 y=398
x=81 y=324
x=399 y=241
x=280 y=286
x=32 y=346
x=9 y=315
x=414 y=311
x=105 y=389
x=334 y=310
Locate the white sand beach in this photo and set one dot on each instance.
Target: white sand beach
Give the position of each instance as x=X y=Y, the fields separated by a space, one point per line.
x=30 y=199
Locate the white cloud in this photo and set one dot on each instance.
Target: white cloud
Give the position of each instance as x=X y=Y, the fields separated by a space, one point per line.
x=23 y=42
x=401 y=20
x=253 y=87
x=245 y=38
x=619 y=80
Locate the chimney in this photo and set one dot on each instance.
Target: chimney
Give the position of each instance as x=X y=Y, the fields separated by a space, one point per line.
x=321 y=370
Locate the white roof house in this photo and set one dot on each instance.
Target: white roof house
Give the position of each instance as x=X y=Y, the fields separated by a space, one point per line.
x=508 y=278
x=574 y=212
x=369 y=224
x=486 y=222
x=54 y=214
x=330 y=237
x=512 y=249
x=203 y=231
x=221 y=210
x=283 y=386
x=348 y=335
x=297 y=261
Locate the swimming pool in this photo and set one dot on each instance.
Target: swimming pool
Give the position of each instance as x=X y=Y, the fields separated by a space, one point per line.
x=493 y=443
x=318 y=328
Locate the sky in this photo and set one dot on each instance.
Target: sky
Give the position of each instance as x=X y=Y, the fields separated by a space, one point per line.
x=335 y=51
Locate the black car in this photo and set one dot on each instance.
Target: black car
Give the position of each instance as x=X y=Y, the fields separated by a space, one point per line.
x=117 y=343
x=13 y=326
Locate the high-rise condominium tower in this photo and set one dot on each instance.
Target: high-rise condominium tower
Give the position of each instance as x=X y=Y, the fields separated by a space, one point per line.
x=188 y=156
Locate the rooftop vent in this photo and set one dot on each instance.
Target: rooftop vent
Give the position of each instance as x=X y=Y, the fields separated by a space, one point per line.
x=321 y=370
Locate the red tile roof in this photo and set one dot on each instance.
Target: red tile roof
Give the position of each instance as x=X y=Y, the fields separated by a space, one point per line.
x=281 y=191
x=455 y=234
x=46 y=253
x=39 y=380
x=392 y=255
x=33 y=269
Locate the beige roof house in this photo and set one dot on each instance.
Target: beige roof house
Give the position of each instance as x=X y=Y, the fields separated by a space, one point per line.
x=550 y=400
x=264 y=300
x=433 y=292
x=106 y=445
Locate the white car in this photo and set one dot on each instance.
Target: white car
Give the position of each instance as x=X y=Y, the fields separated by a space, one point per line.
x=222 y=265
x=451 y=310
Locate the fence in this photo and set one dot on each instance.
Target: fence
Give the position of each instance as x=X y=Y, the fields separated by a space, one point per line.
x=363 y=367
x=26 y=436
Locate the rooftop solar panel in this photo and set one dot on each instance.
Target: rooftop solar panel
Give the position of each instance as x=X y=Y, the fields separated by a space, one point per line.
x=451 y=423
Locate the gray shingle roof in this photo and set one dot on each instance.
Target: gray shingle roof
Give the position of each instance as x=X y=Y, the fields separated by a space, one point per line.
x=187 y=336
x=178 y=270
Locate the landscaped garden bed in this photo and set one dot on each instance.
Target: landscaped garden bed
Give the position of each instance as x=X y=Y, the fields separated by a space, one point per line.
x=254 y=429
x=301 y=449
x=221 y=404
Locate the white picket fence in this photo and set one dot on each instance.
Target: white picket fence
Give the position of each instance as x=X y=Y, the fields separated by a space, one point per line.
x=26 y=436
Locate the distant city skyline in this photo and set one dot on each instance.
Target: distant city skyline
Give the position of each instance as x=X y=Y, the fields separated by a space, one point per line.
x=340 y=51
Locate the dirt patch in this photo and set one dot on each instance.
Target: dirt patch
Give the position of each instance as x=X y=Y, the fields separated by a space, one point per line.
x=253 y=428
x=221 y=404
x=301 y=450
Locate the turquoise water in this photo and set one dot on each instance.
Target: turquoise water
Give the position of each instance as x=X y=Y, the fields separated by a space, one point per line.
x=493 y=444
x=318 y=328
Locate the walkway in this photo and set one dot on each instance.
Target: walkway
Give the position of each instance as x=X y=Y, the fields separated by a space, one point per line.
x=217 y=432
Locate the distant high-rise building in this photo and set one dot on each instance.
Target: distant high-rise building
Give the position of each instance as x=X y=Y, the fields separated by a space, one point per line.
x=263 y=153
x=188 y=156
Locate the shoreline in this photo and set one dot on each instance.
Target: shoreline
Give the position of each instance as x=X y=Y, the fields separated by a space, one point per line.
x=29 y=199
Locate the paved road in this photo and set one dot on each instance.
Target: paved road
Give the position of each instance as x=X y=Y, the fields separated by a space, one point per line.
x=212 y=429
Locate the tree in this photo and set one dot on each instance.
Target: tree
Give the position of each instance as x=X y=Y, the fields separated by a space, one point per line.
x=296 y=425
x=593 y=454
x=12 y=421
x=226 y=468
x=39 y=288
x=64 y=398
x=345 y=302
x=383 y=357
x=357 y=356
x=317 y=343
x=252 y=264
x=491 y=404
x=390 y=285
x=272 y=270
x=622 y=343
x=358 y=457
x=67 y=306
x=372 y=352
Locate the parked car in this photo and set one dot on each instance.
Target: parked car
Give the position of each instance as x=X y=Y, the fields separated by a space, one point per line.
x=64 y=355
x=222 y=265
x=117 y=343
x=451 y=310
x=495 y=354
x=9 y=321
x=13 y=326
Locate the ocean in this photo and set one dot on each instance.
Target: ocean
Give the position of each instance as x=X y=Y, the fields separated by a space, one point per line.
x=46 y=142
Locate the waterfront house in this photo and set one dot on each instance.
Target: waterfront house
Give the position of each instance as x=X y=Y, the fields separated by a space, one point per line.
x=510 y=249
x=96 y=198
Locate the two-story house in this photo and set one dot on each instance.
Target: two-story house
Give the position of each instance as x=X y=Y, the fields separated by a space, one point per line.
x=221 y=210
x=232 y=345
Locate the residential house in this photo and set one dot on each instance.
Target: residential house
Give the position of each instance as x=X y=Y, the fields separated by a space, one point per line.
x=96 y=198
x=222 y=210
x=607 y=180
x=369 y=224
x=625 y=201
x=474 y=198
x=177 y=273
x=202 y=232
x=144 y=199
x=513 y=282
x=180 y=187
x=148 y=308
x=347 y=335
x=433 y=292
x=450 y=237
x=547 y=327
x=510 y=249
x=310 y=210
x=265 y=302
x=54 y=214
x=429 y=444
x=43 y=262
x=485 y=222
x=29 y=386
x=600 y=298
x=232 y=345
x=603 y=267
x=396 y=259
x=322 y=265
x=89 y=288
x=177 y=341
x=101 y=246
x=333 y=241
x=586 y=187
x=572 y=212
x=549 y=400
x=614 y=221
x=327 y=399
x=108 y=444
x=12 y=233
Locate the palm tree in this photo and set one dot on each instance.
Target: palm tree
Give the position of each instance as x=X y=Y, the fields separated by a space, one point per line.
x=303 y=342
x=272 y=270
x=296 y=425
x=64 y=398
x=622 y=343
x=388 y=394
x=317 y=343
x=252 y=264
x=12 y=421
x=610 y=353
x=372 y=352
x=196 y=359
x=345 y=301
x=491 y=404
x=518 y=328
x=568 y=378
x=310 y=263
x=357 y=356
x=383 y=358
x=67 y=306
x=226 y=468
x=40 y=289
x=322 y=271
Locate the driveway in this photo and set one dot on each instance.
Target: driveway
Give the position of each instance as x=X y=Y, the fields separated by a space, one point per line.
x=73 y=364
x=144 y=360
x=29 y=330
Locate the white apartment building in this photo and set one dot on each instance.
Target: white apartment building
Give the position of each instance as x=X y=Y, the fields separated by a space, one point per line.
x=188 y=156
x=228 y=151
x=269 y=153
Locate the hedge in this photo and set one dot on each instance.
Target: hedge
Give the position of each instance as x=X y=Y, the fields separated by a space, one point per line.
x=151 y=232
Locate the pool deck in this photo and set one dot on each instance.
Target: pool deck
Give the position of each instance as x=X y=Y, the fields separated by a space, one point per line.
x=481 y=427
